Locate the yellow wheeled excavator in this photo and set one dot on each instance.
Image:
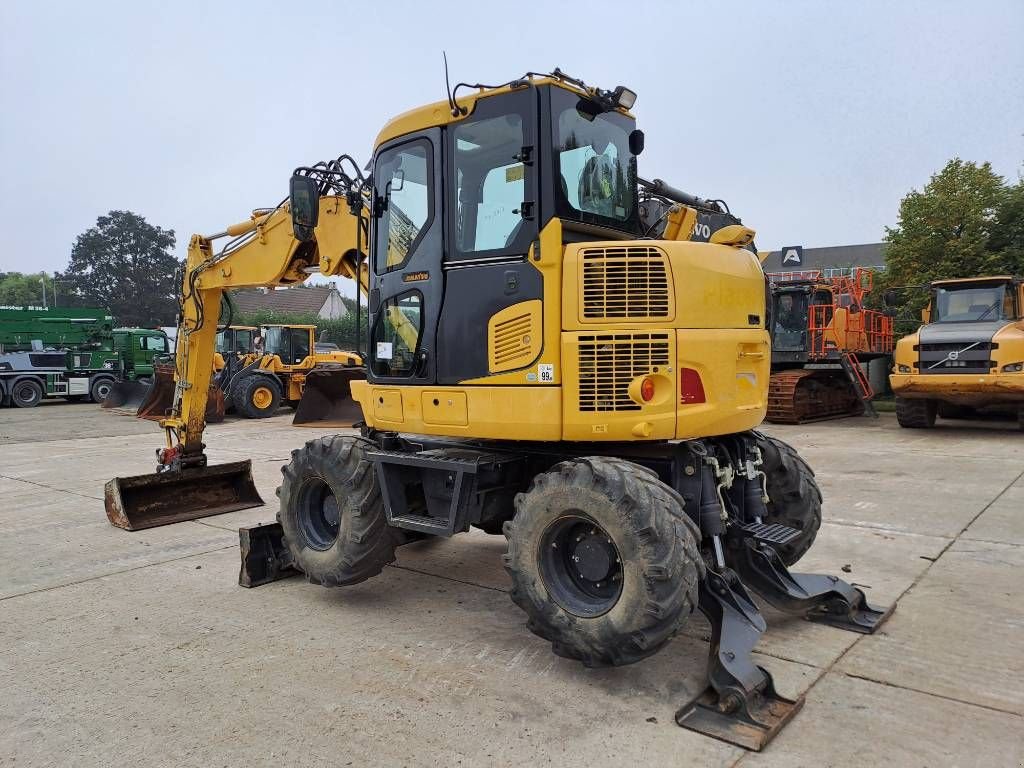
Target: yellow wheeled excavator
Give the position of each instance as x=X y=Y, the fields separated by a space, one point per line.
x=538 y=365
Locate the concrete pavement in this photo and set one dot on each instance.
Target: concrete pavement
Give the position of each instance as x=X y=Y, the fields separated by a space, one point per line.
x=121 y=648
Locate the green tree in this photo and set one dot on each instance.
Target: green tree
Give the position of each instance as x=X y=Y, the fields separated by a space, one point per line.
x=18 y=289
x=1007 y=241
x=128 y=265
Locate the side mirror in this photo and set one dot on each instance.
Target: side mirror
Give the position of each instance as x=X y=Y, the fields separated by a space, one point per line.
x=304 y=199
x=636 y=141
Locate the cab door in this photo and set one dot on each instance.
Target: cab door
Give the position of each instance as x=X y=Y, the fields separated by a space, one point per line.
x=408 y=244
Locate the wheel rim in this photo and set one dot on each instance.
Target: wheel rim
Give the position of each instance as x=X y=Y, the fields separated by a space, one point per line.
x=102 y=390
x=581 y=566
x=262 y=397
x=319 y=516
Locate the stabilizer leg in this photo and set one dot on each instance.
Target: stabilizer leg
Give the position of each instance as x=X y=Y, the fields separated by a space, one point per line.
x=819 y=598
x=740 y=704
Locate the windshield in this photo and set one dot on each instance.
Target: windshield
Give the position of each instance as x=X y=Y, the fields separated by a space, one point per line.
x=598 y=172
x=972 y=303
x=273 y=340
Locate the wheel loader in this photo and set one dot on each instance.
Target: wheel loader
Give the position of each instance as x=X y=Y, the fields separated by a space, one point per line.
x=538 y=367
x=967 y=356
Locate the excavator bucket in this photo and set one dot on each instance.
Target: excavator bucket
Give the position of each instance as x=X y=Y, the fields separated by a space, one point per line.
x=127 y=394
x=327 y=397
x=147 y=501
x=160 y=397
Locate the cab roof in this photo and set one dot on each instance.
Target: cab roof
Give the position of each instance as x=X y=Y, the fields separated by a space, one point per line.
x=968 y=280
x=440 y=112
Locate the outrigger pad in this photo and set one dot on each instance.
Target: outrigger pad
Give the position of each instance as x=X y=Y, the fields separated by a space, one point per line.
x=740 y=704
x=265 y=558
x=147 y=501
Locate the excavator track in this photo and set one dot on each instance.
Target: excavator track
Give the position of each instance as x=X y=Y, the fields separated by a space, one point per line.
x=802 y=396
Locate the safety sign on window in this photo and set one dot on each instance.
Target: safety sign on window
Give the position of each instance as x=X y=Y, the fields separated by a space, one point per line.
x=384 y=350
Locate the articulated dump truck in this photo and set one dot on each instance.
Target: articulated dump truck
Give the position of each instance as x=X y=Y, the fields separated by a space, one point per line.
x=968 y=356
x=557 y=354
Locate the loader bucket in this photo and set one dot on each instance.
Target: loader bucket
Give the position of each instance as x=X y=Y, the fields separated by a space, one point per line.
x=147 y=501
x=160 y=397
x=127 y=394
x=327 y=397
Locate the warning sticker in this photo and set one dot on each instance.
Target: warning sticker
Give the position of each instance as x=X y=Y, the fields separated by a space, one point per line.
x=384 y=350
x=546 y=372
x=513 y=173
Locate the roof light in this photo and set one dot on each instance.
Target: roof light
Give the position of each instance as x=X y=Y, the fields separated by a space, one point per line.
x=624 y=97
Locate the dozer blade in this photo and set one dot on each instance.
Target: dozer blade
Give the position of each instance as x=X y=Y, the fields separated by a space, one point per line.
x=160 y=398
x=127 y=394
x=327 y=397
x=147 y=501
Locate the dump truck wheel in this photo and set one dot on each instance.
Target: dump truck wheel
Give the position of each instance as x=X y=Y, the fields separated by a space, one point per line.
x=99 y=389
x=26 y=393
x=603 y=559
x=332 y=514
x=915 y=414
x=794 y=496
x=257 y=397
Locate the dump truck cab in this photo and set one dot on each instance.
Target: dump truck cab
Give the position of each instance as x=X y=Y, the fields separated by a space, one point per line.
x=968 y=354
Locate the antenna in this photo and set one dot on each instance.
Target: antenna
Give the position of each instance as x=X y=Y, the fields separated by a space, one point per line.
x=447 y=85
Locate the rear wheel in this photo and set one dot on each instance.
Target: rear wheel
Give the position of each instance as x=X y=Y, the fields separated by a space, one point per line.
x=99 y=389
x=27 y=393
x=915 y=414
x=332 y=513
x=603 y=560
x=794 y=498
x=257 y=397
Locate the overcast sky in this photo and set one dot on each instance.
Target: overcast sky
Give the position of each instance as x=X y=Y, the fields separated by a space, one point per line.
x=811 y=119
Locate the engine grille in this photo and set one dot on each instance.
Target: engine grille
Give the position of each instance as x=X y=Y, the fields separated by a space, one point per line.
x=628 y=283
x=955 y=357
x=609 y=362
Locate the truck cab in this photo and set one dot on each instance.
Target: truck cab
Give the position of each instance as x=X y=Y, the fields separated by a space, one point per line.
x=968 y=354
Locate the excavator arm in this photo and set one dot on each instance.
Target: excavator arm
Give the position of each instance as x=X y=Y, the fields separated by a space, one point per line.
x=264 y=252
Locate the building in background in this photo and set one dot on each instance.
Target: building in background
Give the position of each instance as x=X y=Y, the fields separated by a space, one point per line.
x=324 y=301
x=833 y=261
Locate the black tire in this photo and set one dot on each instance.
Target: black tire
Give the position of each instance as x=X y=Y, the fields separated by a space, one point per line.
x=27 y=393
x=794 y=498
x=659 y=564
x=915 y=414
x=332 y=513
x=256 y=396
x=99 y=388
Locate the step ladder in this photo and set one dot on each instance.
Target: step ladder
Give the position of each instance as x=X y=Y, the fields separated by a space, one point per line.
x=859 y=380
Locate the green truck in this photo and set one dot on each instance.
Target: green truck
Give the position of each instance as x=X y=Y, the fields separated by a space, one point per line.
x=70 y=353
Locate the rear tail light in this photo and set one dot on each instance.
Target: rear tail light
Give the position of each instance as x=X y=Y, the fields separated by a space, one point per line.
x=691 y=388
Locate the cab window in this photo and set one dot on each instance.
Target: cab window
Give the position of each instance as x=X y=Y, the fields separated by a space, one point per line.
x=403 y=193
x=396 y=335
x=489 y=183
x=300 y=345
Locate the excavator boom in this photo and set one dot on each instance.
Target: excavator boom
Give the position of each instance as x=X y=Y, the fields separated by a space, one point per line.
x=263 y=252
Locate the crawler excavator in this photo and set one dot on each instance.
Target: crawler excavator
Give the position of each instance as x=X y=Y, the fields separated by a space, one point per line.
x=540 y=367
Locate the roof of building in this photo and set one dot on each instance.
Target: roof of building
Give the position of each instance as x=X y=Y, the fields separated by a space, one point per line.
x=866 y=255
x=296 y=300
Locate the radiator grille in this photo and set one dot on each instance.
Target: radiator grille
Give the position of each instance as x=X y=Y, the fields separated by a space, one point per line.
x=609 y=362
x=512 y=341
x=627 y=283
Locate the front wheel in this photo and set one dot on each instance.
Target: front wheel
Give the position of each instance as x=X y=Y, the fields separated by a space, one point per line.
x=603 y=560
x=257 y=397
x=99 y=389
x=916 y=414
x=332 y=514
